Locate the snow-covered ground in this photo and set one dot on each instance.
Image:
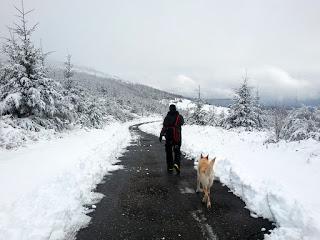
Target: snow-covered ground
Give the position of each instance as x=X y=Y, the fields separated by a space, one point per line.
x=45 y=185
x=13 y=136
x=188 y=105
x=276 y=181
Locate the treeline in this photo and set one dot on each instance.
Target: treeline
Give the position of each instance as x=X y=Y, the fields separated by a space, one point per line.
x=291 y=124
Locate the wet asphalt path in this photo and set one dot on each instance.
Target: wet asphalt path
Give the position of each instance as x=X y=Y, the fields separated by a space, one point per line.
x=143 y=202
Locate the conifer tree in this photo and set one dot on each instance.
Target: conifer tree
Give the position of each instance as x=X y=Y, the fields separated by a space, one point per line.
x=242 y=111
x=68 y=73
x=25 y=89
x=257 y=109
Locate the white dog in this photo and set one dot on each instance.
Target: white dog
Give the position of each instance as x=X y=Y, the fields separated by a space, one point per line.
x=205 y=176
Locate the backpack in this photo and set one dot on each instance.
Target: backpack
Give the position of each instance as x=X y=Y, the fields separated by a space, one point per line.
x=173 y=134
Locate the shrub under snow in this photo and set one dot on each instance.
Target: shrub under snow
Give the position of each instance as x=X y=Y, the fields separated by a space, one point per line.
x=302 y=123
x=197 y=115
x=15 y=132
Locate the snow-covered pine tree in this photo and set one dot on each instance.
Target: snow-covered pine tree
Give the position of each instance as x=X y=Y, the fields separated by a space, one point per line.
x=25 y=89
x=242 y=111
x=68 y=73
x=257 y=110
x=44 y=55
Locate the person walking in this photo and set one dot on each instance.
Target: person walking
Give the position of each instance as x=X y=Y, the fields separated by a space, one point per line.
x=172 y=131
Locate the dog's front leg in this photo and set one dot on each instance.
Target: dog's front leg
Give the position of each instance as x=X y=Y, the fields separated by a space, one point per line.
x=208 y=201
x=208 y=198
x=198 y=185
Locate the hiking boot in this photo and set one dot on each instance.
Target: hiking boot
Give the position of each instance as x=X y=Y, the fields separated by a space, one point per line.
x=177 y=168
x=170 y=170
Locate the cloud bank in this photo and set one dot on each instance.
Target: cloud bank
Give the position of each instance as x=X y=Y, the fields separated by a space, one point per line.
x=178 y=45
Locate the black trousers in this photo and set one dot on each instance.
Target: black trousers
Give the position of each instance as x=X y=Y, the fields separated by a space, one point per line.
x=173 y=155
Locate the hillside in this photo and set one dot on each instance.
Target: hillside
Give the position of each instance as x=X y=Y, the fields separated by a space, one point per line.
x=131 y=98
x=93 y=101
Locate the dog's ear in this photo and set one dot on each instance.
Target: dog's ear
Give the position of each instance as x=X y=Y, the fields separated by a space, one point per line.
x=201 y=156
x=207 y=157
x=212 y=162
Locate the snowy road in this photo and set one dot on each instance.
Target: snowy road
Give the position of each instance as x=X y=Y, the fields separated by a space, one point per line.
x=142 y=202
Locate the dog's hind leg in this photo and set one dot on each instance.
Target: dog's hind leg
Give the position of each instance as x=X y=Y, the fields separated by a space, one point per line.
x=205 y=196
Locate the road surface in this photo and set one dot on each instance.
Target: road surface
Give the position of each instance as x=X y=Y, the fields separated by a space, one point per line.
x=143 y=202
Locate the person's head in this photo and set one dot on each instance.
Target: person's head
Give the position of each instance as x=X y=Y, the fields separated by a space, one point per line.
x=172 y=108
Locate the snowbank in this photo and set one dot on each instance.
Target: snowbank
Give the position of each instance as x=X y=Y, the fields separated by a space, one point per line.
x=45 y=185
x=276 y=181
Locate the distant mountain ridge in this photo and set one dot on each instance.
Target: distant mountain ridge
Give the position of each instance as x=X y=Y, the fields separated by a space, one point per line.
x=123 y=99
x=82 y=72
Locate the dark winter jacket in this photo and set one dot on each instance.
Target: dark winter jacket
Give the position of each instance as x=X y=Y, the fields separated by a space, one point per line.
x=172 y=128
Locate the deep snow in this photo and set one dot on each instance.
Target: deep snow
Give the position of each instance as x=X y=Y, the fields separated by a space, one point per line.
x=45 y=185
x=276 y=181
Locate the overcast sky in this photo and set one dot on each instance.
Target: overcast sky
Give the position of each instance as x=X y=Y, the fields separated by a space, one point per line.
x=178 y=44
